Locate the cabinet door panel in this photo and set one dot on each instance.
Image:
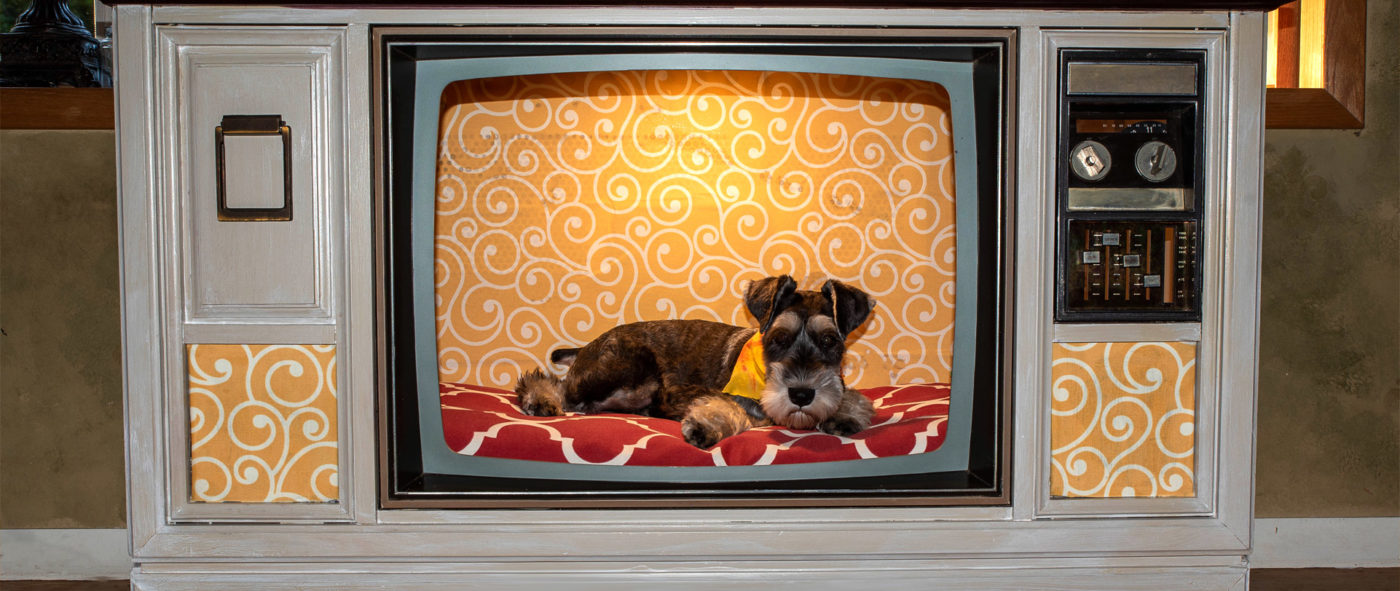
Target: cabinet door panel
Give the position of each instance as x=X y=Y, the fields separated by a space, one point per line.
x=252 y=244
x=245 y=260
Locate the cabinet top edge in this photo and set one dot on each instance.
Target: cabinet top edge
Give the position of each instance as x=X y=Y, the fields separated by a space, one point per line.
x=1114 y=5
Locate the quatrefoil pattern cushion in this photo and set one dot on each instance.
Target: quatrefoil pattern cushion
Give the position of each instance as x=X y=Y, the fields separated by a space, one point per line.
x=486 y=422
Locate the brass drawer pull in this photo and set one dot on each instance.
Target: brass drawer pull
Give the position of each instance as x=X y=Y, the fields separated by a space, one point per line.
x=254 y=125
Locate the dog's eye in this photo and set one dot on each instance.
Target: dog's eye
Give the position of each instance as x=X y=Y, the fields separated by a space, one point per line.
x=780 y=338
x=830 y=341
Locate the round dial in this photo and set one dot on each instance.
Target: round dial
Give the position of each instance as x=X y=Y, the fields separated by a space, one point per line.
x=1155 y=161
x=1090 y=160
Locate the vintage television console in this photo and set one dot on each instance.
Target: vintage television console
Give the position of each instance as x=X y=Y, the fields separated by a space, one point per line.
x=348 y=228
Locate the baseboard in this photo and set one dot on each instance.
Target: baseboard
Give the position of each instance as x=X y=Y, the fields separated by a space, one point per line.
x=1355 y=542
x=64 y=554
x=1367 y=542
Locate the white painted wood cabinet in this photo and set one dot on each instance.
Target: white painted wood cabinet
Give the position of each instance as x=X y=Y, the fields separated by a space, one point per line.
x=211 y=301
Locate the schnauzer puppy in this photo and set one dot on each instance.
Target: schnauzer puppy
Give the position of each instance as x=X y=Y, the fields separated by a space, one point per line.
x=694 y=371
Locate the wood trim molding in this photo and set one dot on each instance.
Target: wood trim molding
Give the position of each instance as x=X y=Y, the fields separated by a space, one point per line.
x=1287 y=543
x=56 y=108
x=1341 y=103
x=1326 y=542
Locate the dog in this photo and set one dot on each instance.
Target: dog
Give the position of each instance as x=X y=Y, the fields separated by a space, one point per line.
x=711 y=377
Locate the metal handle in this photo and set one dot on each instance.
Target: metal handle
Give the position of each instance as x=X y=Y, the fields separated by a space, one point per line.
x=253 y=125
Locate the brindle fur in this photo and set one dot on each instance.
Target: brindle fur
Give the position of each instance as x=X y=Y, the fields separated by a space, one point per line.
x=677 y=369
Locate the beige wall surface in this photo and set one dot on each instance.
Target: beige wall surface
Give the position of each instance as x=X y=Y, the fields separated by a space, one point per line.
x=60 y=349
x=1329 y=358
x=1329 y=400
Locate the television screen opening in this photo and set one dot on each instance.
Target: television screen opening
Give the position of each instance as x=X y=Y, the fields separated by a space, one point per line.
x=553 y=198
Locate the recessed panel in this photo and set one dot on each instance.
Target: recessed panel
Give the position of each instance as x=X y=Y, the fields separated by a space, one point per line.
x=263 y=425
x=266 y=253
x=1123 y=420
x=1130 y=182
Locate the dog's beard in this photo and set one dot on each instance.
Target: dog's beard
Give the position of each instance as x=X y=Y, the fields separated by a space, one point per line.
x=780 y=408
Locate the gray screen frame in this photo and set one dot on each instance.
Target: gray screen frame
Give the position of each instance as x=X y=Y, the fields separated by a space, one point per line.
x=433 y=76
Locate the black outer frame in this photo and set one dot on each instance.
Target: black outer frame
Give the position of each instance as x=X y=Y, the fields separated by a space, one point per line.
x=403 y=484
x=1063 y=313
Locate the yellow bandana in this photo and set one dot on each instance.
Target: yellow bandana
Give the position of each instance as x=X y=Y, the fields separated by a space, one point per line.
x=749 y=372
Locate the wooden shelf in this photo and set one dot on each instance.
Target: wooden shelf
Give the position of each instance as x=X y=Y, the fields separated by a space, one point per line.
x=1341 y=102
x=56 y=108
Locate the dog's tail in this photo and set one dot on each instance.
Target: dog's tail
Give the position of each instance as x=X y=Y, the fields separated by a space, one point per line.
x=540 y=394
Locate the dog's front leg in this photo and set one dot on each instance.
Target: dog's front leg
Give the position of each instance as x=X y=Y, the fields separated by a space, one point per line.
x=713 y=418
x=851 y=417
x=707 y=416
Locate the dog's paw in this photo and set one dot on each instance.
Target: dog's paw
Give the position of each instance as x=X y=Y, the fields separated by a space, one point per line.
x=843 y=426
x=538 y=394
x=853 y=416
x=711 y=419
x=700 y=434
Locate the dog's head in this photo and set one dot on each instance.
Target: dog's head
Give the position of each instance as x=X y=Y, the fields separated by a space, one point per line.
x=804 y=339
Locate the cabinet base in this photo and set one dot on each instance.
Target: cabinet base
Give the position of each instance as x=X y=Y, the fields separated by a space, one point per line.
x=1011 y=575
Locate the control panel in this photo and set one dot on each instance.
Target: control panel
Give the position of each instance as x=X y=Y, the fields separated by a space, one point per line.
x=1129 y=184
x=1131 y=266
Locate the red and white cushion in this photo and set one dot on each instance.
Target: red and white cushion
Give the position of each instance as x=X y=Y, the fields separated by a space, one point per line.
x=486 y=422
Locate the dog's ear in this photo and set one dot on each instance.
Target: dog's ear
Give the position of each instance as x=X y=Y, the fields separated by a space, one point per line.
x=766 y=297
x=564 y=357
x=849 y=305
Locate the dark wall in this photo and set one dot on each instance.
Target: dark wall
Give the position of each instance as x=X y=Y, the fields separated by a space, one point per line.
x=1329 y=359
x=60 y=349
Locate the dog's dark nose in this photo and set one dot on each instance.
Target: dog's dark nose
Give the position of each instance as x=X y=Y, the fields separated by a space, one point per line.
x=801 y=396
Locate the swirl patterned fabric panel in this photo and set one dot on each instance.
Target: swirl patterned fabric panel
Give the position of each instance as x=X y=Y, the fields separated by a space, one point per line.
x=1123 y=418
x=570 y=203
x=263 y=423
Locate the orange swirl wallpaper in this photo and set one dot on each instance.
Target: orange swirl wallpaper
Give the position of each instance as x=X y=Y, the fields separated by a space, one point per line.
x=570 y=203
x=263 y=423
x=1123 y=418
